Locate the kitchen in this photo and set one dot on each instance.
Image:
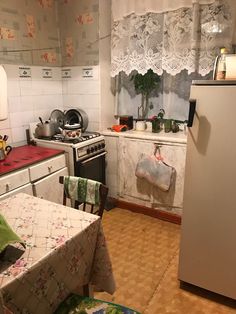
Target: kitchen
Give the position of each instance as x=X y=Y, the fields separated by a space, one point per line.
x=41 y=77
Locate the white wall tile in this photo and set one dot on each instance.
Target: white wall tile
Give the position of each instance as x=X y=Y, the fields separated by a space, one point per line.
x=5 y=124
x=14 y=104
x=83 y=87
x=18 y=134
x=16 y=119
x=13 y=88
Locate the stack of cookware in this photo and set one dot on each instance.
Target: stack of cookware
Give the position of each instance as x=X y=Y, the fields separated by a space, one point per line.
x=70 y=124
x=4 y=148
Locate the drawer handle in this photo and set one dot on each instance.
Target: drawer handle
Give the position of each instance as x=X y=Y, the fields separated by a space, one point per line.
x=7 y=187
x=50 y=168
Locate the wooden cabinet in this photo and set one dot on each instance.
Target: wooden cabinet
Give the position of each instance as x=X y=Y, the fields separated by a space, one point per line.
x=112 y=147
x=122 y=158
x=40 y=179
x=13 y=180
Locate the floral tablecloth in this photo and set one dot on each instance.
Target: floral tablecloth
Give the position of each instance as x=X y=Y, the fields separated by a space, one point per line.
x=65 y=249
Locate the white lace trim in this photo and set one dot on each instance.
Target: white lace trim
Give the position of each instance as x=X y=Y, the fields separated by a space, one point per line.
x=188 y=38
x=123 y=8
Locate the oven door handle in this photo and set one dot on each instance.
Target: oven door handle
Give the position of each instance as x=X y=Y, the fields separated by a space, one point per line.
x=94 y=157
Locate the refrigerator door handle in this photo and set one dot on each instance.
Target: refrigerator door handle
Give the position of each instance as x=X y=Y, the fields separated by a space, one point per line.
x=192 y=108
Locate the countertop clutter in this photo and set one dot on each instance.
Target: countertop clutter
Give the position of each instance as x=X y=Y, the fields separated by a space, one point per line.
x=24 y=156
x=180 y=137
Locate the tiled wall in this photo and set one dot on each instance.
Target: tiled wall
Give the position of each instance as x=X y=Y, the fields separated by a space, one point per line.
x=79 y=31
x=29 y=98
x=44 y=89
x=81 y=89
x=29 y=32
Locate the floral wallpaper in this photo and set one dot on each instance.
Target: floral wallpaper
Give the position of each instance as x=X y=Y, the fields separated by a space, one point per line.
x=32 y=31
x=29 y=32
x=79 y=30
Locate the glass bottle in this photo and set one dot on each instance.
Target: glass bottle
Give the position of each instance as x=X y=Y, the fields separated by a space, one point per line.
x=221 y=68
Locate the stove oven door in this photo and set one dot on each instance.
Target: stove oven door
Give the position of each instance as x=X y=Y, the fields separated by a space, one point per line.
x=92 y=168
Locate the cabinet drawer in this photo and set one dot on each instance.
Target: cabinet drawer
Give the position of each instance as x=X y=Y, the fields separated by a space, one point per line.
x=13 y=181
x=27 y=189
x=47 y=167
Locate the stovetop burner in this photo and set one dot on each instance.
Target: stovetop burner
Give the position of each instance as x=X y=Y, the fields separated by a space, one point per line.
x=84 y=137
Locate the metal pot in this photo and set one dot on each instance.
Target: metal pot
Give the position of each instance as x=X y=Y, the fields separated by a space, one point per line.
x=71 y=132
x=77 y=116
x=45 y=129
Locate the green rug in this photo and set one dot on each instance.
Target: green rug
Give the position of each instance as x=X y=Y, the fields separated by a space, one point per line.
x=76 y=304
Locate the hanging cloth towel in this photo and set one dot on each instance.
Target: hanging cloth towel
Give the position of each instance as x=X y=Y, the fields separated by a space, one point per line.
x=7 y=235
x=82 y=189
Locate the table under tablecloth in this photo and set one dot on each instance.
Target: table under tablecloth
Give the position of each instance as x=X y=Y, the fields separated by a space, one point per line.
x=65 y=249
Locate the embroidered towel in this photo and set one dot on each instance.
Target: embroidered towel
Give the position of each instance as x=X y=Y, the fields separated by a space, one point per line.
x=82 y=189
x=7 y=235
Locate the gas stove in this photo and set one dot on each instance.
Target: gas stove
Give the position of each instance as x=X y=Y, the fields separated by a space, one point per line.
x=84 y=137
x=88 y=146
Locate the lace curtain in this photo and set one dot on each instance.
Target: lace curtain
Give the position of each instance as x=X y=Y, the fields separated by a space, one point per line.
x=184 y=39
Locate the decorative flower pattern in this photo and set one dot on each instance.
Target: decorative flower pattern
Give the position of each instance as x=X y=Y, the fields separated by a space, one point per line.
x=171 y=41
x=65 y=249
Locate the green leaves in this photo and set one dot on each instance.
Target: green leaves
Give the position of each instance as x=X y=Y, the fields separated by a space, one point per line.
x=146 y=83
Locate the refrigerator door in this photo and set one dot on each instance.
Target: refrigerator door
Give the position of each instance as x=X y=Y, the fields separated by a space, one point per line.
x=208 y=232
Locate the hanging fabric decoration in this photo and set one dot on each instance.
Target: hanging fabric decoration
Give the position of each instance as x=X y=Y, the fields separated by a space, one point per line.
x=186 y=38
x=3 y=94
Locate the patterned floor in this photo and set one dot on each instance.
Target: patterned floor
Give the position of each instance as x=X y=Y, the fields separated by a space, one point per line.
x=144 y=253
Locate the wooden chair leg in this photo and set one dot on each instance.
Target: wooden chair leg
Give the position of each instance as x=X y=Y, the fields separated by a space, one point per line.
x=86 y=290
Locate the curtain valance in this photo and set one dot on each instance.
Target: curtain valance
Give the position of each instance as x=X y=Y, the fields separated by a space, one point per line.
x=123 y=8
x=188 y=38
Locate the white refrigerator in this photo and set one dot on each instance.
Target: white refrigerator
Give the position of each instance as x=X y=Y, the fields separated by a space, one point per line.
x=208 y=232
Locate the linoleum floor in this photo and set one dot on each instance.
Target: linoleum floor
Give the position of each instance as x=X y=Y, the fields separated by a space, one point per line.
x=144 y=253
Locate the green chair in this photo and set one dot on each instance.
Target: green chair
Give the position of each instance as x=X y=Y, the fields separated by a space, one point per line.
x=76 y=304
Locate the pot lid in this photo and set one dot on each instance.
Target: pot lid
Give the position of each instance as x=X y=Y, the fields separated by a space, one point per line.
x=58 y=117
x=72 y=126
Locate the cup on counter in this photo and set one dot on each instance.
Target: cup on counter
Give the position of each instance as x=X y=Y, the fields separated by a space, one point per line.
x=140 y=126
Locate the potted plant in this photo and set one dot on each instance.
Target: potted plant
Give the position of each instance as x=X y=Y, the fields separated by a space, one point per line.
x=145 y=84
x=157 y=120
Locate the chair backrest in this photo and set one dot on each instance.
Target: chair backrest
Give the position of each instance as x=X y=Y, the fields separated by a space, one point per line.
x=97 y=210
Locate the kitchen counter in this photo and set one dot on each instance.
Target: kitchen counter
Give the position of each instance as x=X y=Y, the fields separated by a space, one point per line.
x=24 y=156
x=179 y=137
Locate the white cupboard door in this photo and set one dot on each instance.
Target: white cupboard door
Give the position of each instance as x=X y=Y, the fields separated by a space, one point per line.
x=112 y=143
x=27 y=189
x=132 y=188
x=174 y=155
x=49 y=187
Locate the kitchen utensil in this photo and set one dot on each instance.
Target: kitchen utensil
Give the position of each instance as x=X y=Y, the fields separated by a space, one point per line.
x=5 y=151
x=41 y=120
x=126 y=120
x=71 y=133
x=140 y=126
x=5 y=137
x=58 y=117
x=46 y=129
x=74 y=116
